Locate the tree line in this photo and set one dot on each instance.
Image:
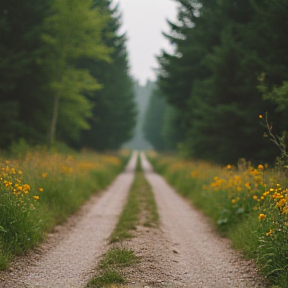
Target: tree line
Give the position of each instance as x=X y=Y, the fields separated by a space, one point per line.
x=64 y=74
x=230 y=65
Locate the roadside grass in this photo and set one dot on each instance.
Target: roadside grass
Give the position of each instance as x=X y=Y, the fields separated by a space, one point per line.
x=41 y=189
x=140 y=209
x=247 y=204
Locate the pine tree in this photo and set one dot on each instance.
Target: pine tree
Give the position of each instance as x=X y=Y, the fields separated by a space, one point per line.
x=113 y=111
x=23 y=89
x=212 y=78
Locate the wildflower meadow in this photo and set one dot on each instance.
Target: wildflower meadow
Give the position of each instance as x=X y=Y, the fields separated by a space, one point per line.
x=41 y=189
x=247 y=204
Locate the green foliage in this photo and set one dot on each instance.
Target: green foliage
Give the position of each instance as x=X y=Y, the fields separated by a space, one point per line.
x=59 y=60
x=105 y=280
x=211 y=80
x=23 y=85
x=157 y=122
x=113 y=109
x=277 y=94
x=72 y=31
x=118 y=257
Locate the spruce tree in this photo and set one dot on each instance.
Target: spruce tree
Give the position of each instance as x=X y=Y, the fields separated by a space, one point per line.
x=113 y=110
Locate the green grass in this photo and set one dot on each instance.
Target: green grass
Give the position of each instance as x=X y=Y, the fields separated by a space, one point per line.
x=242 y=237
x=118 y=257
x=140 y=209
x=128 y=219
x=106 y=279
x=110 y=267
x=140 y=202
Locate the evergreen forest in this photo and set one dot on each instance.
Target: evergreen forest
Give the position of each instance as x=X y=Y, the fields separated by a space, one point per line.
x=230 y=66
x=64 y=78
x=64 y=75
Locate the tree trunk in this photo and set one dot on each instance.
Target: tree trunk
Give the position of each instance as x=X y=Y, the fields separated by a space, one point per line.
x=55 y=112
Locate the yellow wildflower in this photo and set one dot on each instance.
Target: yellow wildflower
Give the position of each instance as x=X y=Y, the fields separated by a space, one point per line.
x=247 y=185
x=228 y=167
x=27 y=187
x=40 y=189
x=260 y=167
x=281 y=203
x=36 y=197
x=261 y=216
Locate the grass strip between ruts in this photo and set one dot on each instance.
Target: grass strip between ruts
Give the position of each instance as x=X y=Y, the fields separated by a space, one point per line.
x=140 y=209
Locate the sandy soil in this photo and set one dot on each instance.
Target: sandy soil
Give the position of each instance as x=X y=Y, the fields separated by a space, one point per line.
x=72 y=252
x=184 y=252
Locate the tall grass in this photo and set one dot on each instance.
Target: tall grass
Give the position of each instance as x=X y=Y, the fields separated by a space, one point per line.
x=41 y=189
x=248 y=204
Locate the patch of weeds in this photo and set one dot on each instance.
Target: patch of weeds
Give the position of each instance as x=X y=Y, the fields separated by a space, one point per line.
x=138 y=165
x=106 y=279
x=152 y=216
x=5 y=258
x=110 y=268
x=119 y=258
x=127 y=221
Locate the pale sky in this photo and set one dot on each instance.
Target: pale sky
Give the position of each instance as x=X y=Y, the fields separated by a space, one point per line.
x=143 y=22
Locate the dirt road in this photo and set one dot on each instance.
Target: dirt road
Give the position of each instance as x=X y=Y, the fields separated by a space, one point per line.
x=72 y=260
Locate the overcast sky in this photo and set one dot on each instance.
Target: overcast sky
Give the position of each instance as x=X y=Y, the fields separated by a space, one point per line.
x=143 y=21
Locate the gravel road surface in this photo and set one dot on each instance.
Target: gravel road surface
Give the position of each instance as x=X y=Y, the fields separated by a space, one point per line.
x=71 y=261
x=193 y=254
